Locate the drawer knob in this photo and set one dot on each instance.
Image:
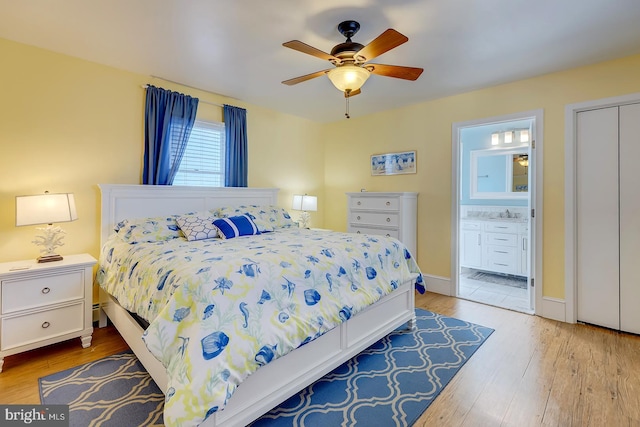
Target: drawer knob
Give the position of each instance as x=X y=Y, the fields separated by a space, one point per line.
x=358 y=217
x=388 y=203
x=359 y=203
x=45 y=325
x=46 y=290
x=388 y=219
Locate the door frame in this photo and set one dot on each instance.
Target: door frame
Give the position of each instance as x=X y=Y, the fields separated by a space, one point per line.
x=570 y=186
x=535 y=254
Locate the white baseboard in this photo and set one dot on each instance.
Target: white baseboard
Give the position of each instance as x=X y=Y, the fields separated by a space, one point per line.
x=553 y=308
x=437 y=284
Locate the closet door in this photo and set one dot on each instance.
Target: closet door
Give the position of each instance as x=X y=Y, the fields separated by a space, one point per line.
x=630 y=218
x=597 y=230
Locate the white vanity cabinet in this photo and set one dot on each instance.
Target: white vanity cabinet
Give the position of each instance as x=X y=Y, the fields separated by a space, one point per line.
x=389 y=214
x=494 y=245
x=523 y=248
x=502 y=247
x=471 y=244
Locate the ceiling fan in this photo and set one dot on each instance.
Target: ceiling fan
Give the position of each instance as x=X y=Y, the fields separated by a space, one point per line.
x=350 y=60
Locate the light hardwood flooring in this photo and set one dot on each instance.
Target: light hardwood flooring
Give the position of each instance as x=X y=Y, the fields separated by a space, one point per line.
x=530 y=372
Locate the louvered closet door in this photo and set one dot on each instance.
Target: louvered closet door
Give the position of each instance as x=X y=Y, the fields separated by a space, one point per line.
x=597 y=249
x=630 y=218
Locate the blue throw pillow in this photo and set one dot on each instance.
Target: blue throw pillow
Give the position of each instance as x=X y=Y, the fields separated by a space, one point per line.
x=235 y=226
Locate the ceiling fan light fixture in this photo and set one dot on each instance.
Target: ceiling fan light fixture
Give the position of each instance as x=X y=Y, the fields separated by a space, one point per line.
x=348 y=77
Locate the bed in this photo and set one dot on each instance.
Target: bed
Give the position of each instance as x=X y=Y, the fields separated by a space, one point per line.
x=286 y=375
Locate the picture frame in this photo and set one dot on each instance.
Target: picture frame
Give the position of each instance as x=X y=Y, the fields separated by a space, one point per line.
x=399 y=163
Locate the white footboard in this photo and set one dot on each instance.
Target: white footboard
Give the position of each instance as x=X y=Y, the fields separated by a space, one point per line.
x=274 y=383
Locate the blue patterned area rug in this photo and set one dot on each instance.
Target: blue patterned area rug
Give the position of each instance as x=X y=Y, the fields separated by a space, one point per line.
x=114 y=391
x=390 y=384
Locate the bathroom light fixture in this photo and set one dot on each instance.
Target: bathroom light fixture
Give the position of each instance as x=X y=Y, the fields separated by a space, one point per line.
x=46 y=209
x=305 y=203
x=495 y=138
x=524 y=135
x=508 y=137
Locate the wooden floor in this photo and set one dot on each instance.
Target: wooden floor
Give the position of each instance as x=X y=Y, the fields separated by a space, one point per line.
x=530 y=372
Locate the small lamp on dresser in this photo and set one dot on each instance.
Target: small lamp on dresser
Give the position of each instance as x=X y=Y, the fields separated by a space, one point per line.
x=47 y=209
x=305 y=203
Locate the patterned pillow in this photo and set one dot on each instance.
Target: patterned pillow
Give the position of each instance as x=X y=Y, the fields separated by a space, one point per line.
x=267 y=218
x=198 y=226
x=153 y=229
x=235 y=226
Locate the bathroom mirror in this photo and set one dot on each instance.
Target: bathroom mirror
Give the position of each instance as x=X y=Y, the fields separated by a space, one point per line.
x=500 y=173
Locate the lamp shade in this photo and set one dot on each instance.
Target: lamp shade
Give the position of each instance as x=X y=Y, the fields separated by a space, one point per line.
x=305 y=203
x=348 y=77
x=45 y=209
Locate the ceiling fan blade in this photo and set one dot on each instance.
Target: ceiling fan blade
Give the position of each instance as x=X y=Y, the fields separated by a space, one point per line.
x=304 y=78
x=397 y=71
x=381 y=44
x=309 y=50
x=352 y=93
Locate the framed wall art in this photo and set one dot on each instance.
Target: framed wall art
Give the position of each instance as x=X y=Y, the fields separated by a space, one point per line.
x=393 y=163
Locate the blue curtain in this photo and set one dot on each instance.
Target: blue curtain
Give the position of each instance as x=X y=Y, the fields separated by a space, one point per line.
x=166 y=112
x=235 y=124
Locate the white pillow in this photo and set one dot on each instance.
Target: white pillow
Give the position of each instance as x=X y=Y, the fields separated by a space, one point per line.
x=198 y=226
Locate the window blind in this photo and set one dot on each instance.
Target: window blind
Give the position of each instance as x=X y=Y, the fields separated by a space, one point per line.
x=203 y=160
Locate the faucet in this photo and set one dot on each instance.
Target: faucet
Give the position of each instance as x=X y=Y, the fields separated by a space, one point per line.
x=508 y=213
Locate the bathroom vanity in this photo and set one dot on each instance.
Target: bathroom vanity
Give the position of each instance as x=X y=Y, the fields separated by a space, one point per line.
x=495 y=244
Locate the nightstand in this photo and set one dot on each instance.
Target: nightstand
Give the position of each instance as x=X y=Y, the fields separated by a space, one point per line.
x=42 y=304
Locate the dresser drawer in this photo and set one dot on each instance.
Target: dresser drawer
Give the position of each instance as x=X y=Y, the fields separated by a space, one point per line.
x=375 y=231
x=42 y=325
x=375 y=218
x=501 y=227
x=502 y=239
x=375 y=203
x=30 y=292
x=471 y=225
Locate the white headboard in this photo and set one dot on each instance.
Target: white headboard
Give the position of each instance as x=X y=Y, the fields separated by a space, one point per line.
x=120 y=201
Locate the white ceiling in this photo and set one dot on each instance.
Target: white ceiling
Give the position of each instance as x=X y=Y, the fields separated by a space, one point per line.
x=234 y=48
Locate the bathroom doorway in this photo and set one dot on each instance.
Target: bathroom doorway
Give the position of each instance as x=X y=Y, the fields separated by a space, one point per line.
x=494 y=209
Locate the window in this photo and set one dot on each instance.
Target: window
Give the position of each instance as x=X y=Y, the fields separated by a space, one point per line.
x=203 y=160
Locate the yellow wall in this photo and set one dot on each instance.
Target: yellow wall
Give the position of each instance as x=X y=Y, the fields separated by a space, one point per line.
x=67 y=125
x=426 y=127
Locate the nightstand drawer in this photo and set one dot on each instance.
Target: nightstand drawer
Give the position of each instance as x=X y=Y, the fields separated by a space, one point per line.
x=42 y=325
x=373 y=218
x=30 y=292
x=376 y=231
x=375 y=203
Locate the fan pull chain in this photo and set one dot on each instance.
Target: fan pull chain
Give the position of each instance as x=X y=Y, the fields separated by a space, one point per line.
x=346 y=114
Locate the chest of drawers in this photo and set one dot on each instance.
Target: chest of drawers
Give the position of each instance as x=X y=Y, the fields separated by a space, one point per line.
x=391 y=214
x=41 y=304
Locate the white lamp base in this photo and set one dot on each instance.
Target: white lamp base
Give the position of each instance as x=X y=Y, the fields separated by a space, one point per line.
x=305 y=219
x=50 y=239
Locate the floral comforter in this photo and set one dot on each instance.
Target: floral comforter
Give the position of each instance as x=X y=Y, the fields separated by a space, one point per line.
x=220 y=309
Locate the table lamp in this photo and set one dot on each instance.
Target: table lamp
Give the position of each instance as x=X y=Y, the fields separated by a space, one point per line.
x=305 y=203
x=47 y=209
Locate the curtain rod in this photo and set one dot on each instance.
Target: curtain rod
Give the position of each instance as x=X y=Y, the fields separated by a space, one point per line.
x=199 y=100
